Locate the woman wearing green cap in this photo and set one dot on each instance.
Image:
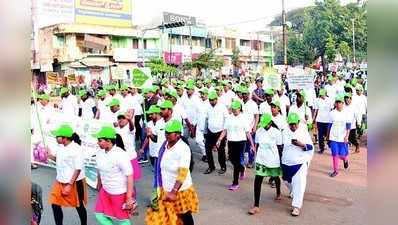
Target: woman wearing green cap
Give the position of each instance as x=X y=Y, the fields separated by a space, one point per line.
x=323 y=106
x=69 y=106
x=176 y=199
x=297 y=153
x=353 y=112
x=115 y=200
x=237 y=132
x=338 y=133
x=269 y=144
x=86 y=105
x=69 y=189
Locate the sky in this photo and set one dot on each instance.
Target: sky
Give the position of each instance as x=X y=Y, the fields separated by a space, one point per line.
x=216 y=13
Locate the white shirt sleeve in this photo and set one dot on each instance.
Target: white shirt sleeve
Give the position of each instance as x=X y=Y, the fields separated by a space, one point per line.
x=185 y=158
x=278 y=137
x=125 y=165
x=79 y=161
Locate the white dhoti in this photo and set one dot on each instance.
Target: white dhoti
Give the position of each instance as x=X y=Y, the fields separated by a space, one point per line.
x=297 y=186
x=200 y=140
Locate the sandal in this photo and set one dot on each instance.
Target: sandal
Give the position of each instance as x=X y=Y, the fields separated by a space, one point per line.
x=278 y=198
x=254 y=210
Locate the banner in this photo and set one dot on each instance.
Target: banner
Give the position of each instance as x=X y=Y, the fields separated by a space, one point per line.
x=104 y=12
x=273 y=81
x=141 y=77
x=84 y=128
x=300 y=81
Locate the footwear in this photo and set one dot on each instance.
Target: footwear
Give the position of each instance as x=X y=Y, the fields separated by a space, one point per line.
x=222 y=171
x=357 y=149
x=346 y=164
x=233 y=187
x=209 y=171
x=204 y=158
x=33 y=166
x=295 y=211
x=333 y=174
x=143 y=161
x=242 y=175
x=321 y=151
x=254 y=210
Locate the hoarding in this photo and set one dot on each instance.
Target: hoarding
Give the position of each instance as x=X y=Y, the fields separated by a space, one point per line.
x=104 y=12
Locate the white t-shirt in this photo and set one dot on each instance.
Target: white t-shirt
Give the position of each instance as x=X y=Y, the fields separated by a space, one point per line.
x=362 y=103
x=250 y=108
x=267 y=153
x=226 y=98
x=179 y=113
x=302 y=111
x=340 y=86
x=265 y=108
x=138 y=101
x=331 y=90
x=339 y=120
x=178 y=156
x=191 y=106
x=280 y=122
x=69 y=159
x=203 y=108
x=87 y=108
x=127 y=103
x=236 y=127
x=216 y=117
x=114 y=167
x=157 y=130
x=69 y=105
x=128 y=138
x=109 y=117
x=294 y=155
x=324 y=106
x=285 y=102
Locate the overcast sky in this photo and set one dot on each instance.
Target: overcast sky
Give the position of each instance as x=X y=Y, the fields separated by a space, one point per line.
x=218 y=12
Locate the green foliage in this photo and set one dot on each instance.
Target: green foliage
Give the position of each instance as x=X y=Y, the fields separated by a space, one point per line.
x=158 y=66
x=235 y=57
x=345 y=50
x=206 y=60
x=330 y=49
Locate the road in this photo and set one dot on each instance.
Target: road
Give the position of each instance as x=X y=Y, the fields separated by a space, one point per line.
x=339 y=200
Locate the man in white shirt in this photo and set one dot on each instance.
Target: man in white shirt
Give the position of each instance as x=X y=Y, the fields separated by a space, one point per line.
x=191 y=105
x=302 y=110
x=69 y=105
x=201 y=129
x=86 y=105
x=354 y=116
x=331 y=88
x=137 y=103
x=250 y=110
x=111 y=115
x=101 y=105
x=228 y=95
x=362 y=102
x=215 y=118
x=112 y=94
x=323 y=106
x=284 y=100
x=265 y=107
x=45 y=113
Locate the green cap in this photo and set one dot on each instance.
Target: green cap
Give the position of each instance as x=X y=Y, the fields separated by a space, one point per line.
x=354 y=81
x=302 y=94
x=172 y=93
x=101 y=93
x=146 y=90
x=219 y=88
x=43 y=97
x=322 y=92
x=235 y=104
x=63 y=90
x=212 y=95
x=111 y=87
x=154 y=88
x=63 y=131
x=348 y=86
x=244 y=90
x=339 y=98
x=276 y=103
x=293 y=118
x=206 y=81
x=113 y=102
x=106 y=132
x=173 y=81
x=174 y=126
x=167 y=104
x=164 y=81
x=190 y=86
x=348 y=95
x=180 y=86
x=359 y=87
x=269 y=91
x=265 y=119
x=204 y=90
x=330 y=78
x=124 y=87
x=82 y=93
x=153 y=109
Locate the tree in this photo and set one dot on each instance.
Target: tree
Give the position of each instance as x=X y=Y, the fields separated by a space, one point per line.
x=235 y=57
x=206 y=60
x=345 y=50
x=330 y=49
x=159 y=67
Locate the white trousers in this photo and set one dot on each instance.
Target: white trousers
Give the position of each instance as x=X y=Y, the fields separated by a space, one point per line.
x=200 y=140
x=297 y=187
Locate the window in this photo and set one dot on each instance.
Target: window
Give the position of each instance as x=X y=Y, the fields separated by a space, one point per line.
x=58 y=41
x=135 y=43
x=218 y=43
x=185 y=40
x=243 y=42
x=145 y=44
x=208 y=43
x=175 y=39
x=230 y=43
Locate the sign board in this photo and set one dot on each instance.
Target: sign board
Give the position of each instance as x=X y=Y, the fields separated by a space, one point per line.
x=104 y=12
x=172 y=58
x=175 y=18
x=91 y=41
x=300 y=81
x=141 y=77
x=118 y=73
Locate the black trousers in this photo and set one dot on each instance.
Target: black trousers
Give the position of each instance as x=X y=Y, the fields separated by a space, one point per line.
x=235 y=150
x=258 y=181
x=187 y=218
x=210 y=142
x=137 y=125
x=352 y=137
x=81 y=210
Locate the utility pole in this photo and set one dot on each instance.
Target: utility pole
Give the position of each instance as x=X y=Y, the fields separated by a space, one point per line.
x=353 y=39
x=284 y=34
x=258 y=50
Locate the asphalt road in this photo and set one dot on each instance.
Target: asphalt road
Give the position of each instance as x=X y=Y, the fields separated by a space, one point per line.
x=339 y=200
